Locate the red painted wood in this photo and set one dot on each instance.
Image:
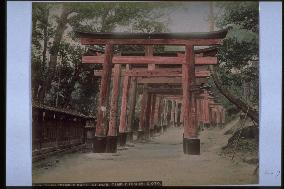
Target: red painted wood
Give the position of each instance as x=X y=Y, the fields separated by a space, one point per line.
x=104 y=89
x=114 y=101
x=200 y=42
x=123 y=112
x=163 y=73
x=190 y=130
x=148 y=60
x=132 y=102
x=157 y=73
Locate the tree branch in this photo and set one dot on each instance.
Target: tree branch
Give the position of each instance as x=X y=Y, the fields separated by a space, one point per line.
x=253 y=114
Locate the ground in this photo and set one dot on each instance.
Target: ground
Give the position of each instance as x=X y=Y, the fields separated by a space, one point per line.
x=160 y=159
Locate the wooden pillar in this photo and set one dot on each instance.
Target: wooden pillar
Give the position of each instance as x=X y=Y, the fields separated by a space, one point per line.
x=141 y=128
x=169 y=108
x=194 y=116
x=172 y=113
x=191 y=144
x=176 y=114
x=157 y=113
x=152 y=114
x=123 y=112
x=132 y=104
x=206 y=112
x=181 y=114
x=165 y=110
x=114 y=101
x=198 y=111
x=147 y=116
x=161 y=114
x=112 y=127
x=100 y=138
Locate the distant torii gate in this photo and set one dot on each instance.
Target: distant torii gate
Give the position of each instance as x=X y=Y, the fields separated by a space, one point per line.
x=187 y=73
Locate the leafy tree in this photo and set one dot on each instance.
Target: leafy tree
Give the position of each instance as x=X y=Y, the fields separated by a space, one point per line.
x=58 y=77
x=237 y=75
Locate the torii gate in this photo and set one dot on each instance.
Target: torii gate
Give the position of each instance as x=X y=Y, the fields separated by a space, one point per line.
x=187 y=62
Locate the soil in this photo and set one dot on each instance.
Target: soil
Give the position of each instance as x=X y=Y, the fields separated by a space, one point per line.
x=159 y=159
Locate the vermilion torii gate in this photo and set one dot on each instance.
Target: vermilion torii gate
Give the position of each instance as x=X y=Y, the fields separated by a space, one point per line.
x=185 y=70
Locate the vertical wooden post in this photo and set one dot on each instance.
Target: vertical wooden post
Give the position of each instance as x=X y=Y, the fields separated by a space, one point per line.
x=147 y=116
x=191 y=144
x=141 y=129
x=181 y=114
x=198 y=112
x=100 y=138
x=172 y=122
x=176 y=114
x=194 y=116
x=161 y=114
x=132 y=104
x=148 y=52
x=152 y=114
x=164 y=118
x=206 y=119
x=123 y=112
x=157 y=114
x=112 y=133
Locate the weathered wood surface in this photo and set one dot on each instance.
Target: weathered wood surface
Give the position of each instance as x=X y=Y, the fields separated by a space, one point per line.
x=162 y=73
x=123 y=112
x=148 y=60
x=172 y=112
x=114 y=101
x=157 y=111
x=132 y=102
x=152 y=112
x=156 y=73
x=104 y=90
x=188 y=81
x=143 y=109
x=196 y=42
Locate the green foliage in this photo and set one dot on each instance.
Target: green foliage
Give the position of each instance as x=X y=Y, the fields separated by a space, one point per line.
x=73 y=86
x=238 y=55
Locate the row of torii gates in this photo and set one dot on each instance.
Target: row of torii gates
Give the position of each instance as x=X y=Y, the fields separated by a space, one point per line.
x=171 y=86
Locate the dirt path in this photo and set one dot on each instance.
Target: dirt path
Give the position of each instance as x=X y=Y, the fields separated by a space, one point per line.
x=160 y=159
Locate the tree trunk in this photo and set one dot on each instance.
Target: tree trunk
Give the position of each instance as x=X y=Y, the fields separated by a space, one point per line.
x=45 y=40
x=253 y=114
x=71 y=86
x=54 y=51
x=45 y=37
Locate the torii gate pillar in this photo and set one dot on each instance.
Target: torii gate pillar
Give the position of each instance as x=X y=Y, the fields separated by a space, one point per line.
x=111 y=146
x=191 y=144
x=100 y=135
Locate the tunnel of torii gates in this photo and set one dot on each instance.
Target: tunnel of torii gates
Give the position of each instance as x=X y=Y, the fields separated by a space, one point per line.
x=170 y=85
